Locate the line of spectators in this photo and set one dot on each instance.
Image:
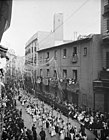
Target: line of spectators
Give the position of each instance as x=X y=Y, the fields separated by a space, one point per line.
x=95 y=121
x=55 y=124
x=13 y=124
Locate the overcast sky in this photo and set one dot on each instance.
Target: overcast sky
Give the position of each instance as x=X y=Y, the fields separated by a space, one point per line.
x=31 y=16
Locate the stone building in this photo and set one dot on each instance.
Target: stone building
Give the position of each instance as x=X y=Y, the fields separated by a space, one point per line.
x=101 y=86
x=68 y=70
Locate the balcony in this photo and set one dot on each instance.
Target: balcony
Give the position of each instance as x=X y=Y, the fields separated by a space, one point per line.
x=106 y=10
x=70 y=86
x=74 y=58
x=104 y=75
x=103 y=81
x=98 y=84
x=73 y=87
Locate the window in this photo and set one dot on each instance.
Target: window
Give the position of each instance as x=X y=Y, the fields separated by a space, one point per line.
x=75 y=75
x=64 y=53
x=32 y=60
x=65 y=73
x=35 y=58
x=74 y=50
x=35 y=49
x=29 y=51
x=48 y=71
x=47 y=55
x=32 y=49
x=108 y=25
x=40 y=72
x=85 y=51
x=55 y=54
x=55 y=74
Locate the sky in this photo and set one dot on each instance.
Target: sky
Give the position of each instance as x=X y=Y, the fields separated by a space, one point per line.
x=31 y=16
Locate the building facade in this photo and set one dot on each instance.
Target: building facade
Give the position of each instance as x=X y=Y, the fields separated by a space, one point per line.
x=101 y=86
x=41 y=40
x=10 y=66
x=68 y=70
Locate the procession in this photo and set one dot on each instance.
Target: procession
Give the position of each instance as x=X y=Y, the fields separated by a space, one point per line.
x=42 y=117
x=54 y=76
x=49 y=121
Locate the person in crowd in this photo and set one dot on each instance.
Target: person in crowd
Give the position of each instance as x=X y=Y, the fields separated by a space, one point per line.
x=95 y=121
x=42 y=134
x=34 y=134
x=33 y=127
x=20 y=112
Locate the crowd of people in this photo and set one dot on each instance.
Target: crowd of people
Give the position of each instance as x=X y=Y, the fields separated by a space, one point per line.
x=95 y=121
x=13 y=124
x=43 y=117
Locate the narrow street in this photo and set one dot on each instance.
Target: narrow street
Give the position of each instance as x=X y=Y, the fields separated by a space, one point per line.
x=28 y=123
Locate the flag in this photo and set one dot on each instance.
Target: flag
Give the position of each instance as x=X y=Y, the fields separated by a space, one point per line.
x=5 y=15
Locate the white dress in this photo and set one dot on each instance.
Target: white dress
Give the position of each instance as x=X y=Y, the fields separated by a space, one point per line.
x=53 y=133
x=72 y=136
x=62 y=135
x=34 y=118
x=40 y=122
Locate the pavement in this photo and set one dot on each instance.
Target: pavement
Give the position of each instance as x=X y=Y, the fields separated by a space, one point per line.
x=28 y=123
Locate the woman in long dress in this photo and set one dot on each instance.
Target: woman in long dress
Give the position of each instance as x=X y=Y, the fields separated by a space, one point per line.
x=62 y=134
x=53 y=133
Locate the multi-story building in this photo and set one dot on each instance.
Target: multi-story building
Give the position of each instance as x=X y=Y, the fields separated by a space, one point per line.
x=42 y=40
x=68 y=70
x=19 y=66
x=101 y=86
x=10 y=67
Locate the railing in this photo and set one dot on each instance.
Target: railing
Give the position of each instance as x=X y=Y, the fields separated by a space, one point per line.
x=70 y=87
x=97 y=84
x=103 y=81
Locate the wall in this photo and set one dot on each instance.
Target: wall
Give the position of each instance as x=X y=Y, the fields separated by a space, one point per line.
x=87 y=66
x=90 y=66
x=103 y=19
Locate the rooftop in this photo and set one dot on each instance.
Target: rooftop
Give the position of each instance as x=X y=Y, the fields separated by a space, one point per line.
x=60 y=44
